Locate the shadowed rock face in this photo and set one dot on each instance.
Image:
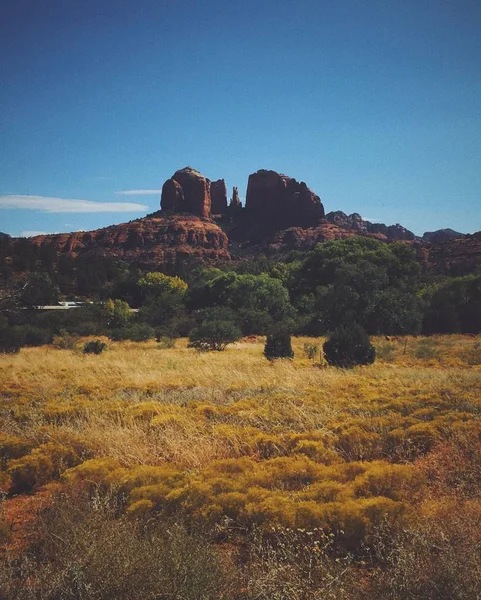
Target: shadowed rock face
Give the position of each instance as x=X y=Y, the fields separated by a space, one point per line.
x=187 y=191
x=356 y=223
x=442 y=235
x=235 y=200
x=458 y=256
x=172 y=195
x=282 y=201
x=218 y=195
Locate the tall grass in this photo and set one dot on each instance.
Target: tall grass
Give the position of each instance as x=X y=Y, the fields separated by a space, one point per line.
x=370 y=460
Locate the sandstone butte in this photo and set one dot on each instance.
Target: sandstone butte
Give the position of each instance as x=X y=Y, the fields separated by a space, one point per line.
x=196 y=223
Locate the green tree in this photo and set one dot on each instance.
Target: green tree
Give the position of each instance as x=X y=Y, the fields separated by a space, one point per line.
x=358 y=279
x=164 y=303
x=214 y=335
x=453 y=306
x=39 y=290
x=118 y=313
x=156 y=283
x=258 y=300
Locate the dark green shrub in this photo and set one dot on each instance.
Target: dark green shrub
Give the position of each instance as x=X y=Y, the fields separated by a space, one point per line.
x=278 y=345
x=349 y=345
x=94 y=347
x=214 y=335
x=35 y=336
x=11 y=340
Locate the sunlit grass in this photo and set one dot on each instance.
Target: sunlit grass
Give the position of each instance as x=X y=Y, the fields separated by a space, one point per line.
x=114 y=401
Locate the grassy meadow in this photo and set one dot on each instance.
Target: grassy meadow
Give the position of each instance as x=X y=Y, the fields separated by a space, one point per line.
x=149 y=472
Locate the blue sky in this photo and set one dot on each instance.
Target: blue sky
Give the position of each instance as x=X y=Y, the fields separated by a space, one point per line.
x=376 y=105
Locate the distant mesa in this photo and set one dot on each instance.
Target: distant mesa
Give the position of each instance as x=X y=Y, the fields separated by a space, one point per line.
x=4 y=236
x=355 y=222
x=442 y=235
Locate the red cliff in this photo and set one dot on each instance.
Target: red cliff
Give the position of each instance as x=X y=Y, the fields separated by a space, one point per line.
x=150 y=241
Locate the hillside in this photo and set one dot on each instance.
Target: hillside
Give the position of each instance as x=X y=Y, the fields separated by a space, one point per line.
x=197 y=223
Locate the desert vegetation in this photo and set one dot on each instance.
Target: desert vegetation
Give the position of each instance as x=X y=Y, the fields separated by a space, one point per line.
x=150 y=471
x=383 y=288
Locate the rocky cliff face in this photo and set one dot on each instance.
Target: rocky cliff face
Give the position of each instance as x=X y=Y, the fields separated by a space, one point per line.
x=235 y=200
x=298 y=238
x=441 y=235
x=356 y=223
x=218 y=195
x=151 y=241
x=458 y=256
x=281 y=214
x=281 y=201
x=187 y=192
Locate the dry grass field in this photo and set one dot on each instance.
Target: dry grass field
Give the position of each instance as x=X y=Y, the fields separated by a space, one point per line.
x=289 y=479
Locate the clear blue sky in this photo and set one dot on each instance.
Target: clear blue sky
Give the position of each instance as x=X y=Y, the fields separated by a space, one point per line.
x=376 y=105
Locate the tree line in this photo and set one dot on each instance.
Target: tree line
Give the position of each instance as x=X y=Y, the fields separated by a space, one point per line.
x=380 y=287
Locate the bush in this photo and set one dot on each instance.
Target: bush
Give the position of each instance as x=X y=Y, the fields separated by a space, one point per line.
x=94 y=347
x=278 y=345
x=11 y=340
x=165 y=342
x=34 y=336
x=84 y=550
x=349 y=345
x=214 y=335
x=65 y=340
x=39 y=467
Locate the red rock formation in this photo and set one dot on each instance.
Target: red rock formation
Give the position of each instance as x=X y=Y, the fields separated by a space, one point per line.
x=172 y=195
x=280 y=215
x=190 y=195
x=235 y=200
x=151 y=241
x=282 y=201
x=297 y=238
x=218 y=195
x=341 y=219
x=356 y=223
x=456 y=256
x=441 y=235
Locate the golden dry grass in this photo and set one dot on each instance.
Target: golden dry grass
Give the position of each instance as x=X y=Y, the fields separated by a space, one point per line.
x=144 y=405
x=363 y=456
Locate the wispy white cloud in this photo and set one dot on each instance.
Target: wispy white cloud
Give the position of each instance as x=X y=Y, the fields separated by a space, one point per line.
x=139 y=192
x=65 y=205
